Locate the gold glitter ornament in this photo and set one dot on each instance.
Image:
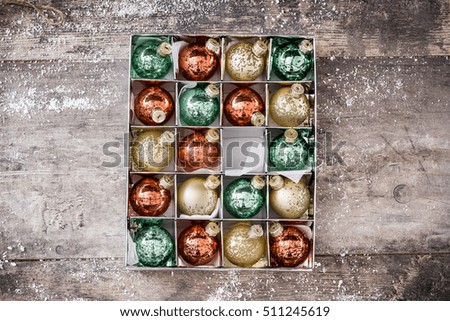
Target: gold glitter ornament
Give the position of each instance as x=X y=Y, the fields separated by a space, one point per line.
x=198 y=196
x=288 y=199
x=152 y=151
x=245 y=61
x=244 y=244
x=289 y=106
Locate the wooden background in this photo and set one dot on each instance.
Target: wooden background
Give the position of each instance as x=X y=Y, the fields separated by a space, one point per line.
x=383 y=82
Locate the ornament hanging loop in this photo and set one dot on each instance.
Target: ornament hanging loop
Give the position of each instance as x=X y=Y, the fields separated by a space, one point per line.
x=51 y=15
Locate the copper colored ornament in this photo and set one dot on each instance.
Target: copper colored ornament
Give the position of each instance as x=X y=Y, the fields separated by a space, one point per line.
x=151 y=196
x=289 y=246
x=199 y=61
x=197 y=244
x=154 y=106
x=199 y=150
x=244 y=107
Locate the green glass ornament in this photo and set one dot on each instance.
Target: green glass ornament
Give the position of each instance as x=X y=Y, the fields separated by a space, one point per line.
x=288 y=151
x=243 y=198
x=292 y=60
x=199 y=106
x=154 y=246
x=152 y=59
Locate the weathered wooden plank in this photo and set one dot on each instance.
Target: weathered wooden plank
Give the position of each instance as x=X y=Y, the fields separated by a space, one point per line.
x=100 y=31
x=403 y=277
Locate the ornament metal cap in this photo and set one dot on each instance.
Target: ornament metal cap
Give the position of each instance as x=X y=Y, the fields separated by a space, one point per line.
x=212 y=90
x=276 y=182
x=212 y=229
x=255 y=231
x=213 y=45
x=276 y=229
x=260 y=47
x=258 y=182
x=212 y=182
x=297 y=90
x=164 y=49
x=258 y=119
x=166 y=181
x=212 y=135
x=290 y=135
x=306 y=46
x=167 y=137
x=158 y=115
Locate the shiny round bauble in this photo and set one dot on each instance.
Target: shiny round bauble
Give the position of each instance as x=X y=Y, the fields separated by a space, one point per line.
x=152 y=151
x=154 y=246
x=292 y=60
x=289 y=106
x=244 y=107
x=151 y=196
x=289 y=199
x=245 y=61
x=244 y=244
x=154 y=106
x=242 y=199
x=198 y=150
x=198 y=195
x=289 y=246
x=199 y=61
x=288 y=151
x=198 y=244
x=152 y=59
x=199 y=106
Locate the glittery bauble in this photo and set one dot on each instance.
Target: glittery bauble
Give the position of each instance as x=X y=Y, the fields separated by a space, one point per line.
x=196 y=151
x=196 y=197
x=152 y=151
x=196 y=246
x=154 y=106
x=289 y=107
x=242 y=105
x=154 y=246
x=288 y=154
x=242 y=199
x=152 y=59
x=289 y=248
x=197 y=61
x=148 y=197
x=197 y=108
x=292 y=61
x=288 y=199
x=241 y=247
x=245 y=61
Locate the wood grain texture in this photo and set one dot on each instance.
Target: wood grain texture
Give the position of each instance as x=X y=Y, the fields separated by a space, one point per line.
x=101 y=31
x=404 y=277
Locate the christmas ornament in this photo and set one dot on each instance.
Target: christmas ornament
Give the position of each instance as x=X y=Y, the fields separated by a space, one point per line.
x=151 y=196
x=197 y=244
x=243 y=198
x=154 y=246
x=245 y=61
x=288 y=151
x=154 y=106
x=199 y=61
x=289 y=106
x=199 y=106
x=198 y=196
x=288 y=199
x=199 y=150
x=292 y=60
x=244 y=244
x=289 y=246
x=244 y=107
x=152 y=59
x=152 y=151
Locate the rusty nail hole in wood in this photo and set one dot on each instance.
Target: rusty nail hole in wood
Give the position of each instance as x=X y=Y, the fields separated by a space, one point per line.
x=402 y=193
x=59 y=249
